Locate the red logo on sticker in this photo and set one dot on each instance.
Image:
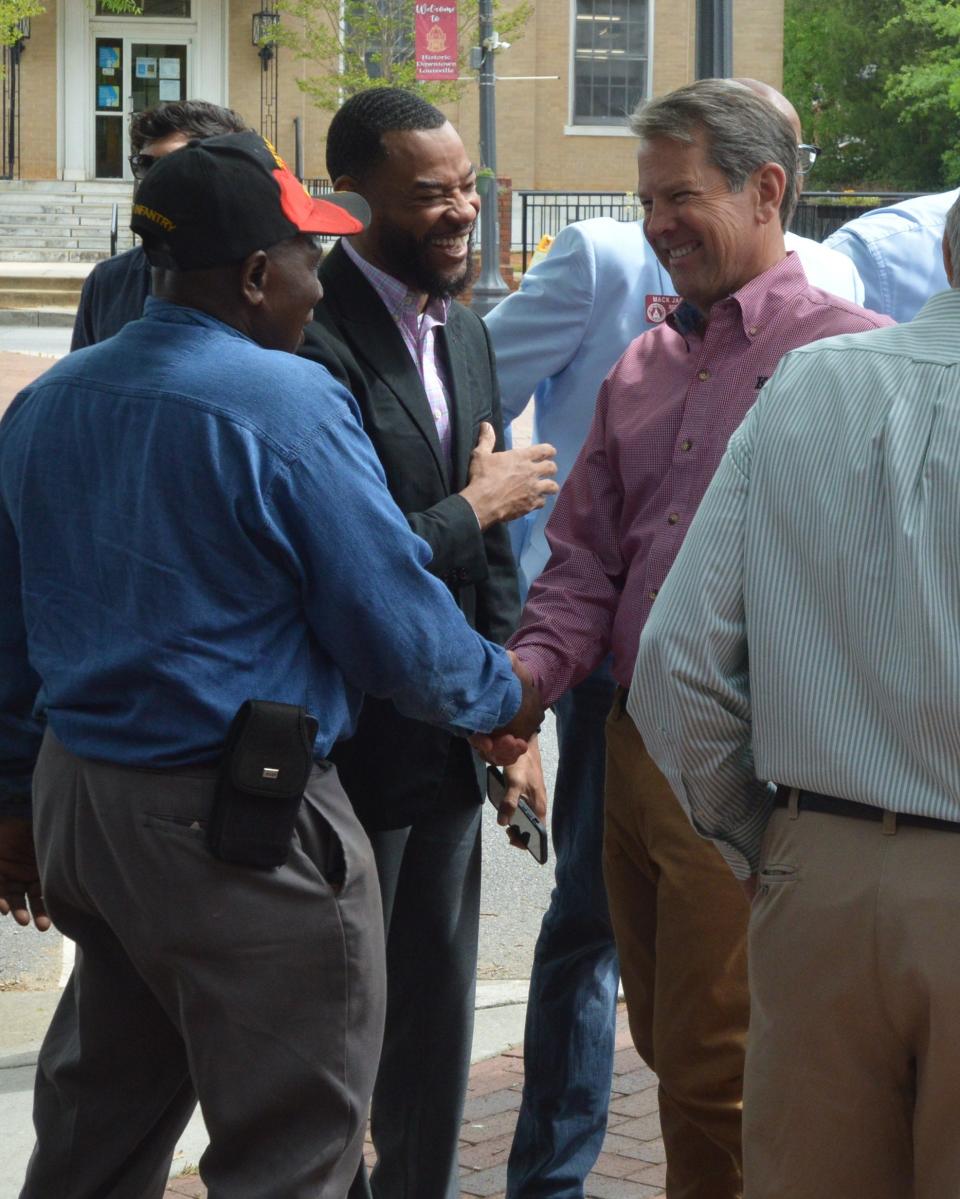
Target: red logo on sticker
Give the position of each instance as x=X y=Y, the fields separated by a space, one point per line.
x=658 y=308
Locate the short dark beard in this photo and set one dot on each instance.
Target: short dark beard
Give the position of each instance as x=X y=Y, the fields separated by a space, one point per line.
x=408 y=263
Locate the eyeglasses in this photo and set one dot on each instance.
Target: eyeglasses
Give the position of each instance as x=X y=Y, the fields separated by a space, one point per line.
x=807 y=155
x=140 y=164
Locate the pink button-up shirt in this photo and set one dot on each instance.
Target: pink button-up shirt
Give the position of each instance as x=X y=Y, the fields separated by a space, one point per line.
x=662 y=421
x=419 y=333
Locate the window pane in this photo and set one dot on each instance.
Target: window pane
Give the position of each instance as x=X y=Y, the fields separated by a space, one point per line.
x=152 y=8
x=159 y=73
x=109 y=147
x=610 y=59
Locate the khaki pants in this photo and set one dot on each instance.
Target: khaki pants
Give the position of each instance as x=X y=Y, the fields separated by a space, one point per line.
x=680 y=921
x=853 y=1070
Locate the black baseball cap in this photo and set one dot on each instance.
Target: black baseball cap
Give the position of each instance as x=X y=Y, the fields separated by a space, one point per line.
x=219 y=199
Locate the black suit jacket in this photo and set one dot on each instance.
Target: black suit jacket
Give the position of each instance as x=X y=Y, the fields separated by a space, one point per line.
x=392 y=768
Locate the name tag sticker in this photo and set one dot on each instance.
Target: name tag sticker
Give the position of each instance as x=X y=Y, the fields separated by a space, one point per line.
x=658 y=308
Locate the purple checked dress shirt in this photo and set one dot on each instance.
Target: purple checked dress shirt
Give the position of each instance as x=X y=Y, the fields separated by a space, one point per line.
x=663 y=418
x=419 y=333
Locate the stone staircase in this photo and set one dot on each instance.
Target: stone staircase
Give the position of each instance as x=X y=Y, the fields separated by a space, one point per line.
x=59 y=221
x=51 y=234
x=41 y=293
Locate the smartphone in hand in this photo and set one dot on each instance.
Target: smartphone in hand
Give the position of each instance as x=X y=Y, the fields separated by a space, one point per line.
x=525 y=824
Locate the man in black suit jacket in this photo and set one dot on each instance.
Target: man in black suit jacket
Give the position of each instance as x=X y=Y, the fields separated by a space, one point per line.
x=422 y=370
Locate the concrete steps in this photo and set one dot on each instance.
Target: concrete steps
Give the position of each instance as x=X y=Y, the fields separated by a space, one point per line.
x=38 y=318
x=61 y=221
x=41 y=293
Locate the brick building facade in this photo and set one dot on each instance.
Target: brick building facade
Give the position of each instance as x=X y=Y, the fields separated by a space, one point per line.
x=82 y=69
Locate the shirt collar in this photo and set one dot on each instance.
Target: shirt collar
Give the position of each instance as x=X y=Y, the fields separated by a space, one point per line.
x=179 y=314
x=401 y=302
x=751 y=305
x=942 y=303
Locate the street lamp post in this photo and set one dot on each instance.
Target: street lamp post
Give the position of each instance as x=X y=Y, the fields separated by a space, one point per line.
x=490 y=288
x=265 y=25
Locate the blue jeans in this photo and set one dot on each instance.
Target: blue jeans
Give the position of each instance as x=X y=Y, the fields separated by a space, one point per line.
x=570 y=1031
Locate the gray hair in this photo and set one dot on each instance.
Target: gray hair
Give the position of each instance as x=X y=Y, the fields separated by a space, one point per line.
x=952 y=234
x=742 y=131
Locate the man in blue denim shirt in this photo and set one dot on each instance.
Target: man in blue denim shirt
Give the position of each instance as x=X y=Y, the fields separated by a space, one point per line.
x=189 y=517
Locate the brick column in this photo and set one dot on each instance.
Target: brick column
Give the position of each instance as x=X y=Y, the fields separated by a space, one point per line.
x=504 y=207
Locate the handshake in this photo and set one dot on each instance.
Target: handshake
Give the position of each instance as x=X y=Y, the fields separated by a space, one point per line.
x=504 y=745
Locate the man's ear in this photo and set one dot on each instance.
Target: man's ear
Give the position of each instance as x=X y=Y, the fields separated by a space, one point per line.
x=771 y=183
x=347 y=183
x=253 y=276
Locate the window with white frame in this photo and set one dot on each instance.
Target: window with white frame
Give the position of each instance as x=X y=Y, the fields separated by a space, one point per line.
x=611 y=56
x=151 y=8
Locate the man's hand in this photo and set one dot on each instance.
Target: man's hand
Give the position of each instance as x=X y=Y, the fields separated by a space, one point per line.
x=526 y=779
x=505 y=745
x=19 y=877
x=509 y=483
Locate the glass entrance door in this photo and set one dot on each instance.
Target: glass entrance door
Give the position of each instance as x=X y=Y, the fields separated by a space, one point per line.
x=132 y=75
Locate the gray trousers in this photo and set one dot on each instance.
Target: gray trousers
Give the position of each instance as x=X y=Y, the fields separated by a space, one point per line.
x=259 y=992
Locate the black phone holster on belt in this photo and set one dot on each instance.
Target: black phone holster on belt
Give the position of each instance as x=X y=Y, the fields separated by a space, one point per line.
x=266 y=763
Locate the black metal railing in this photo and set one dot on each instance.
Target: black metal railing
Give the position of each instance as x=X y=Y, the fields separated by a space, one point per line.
x=317 y=186
x=547 y=212
x=821 y=213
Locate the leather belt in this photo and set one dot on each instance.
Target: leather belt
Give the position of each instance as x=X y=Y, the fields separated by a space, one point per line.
x=832 y=805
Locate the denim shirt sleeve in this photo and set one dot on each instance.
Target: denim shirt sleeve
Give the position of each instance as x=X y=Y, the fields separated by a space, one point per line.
x=392 y=628
x=20 y=730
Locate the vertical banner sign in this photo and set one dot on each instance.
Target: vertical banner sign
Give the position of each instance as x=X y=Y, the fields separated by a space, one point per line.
x=435 y=24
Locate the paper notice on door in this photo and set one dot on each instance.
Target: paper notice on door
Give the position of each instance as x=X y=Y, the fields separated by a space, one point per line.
x=146 y=68
x=169 y=68
x=169 y=89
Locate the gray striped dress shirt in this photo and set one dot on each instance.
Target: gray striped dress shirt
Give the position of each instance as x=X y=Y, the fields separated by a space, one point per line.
x=809 y=631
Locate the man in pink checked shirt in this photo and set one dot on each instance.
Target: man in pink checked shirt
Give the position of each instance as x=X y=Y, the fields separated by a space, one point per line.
x=717 y=168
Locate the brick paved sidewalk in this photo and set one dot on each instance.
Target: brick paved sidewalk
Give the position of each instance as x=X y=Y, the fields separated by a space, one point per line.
x=17 y=370
x=630 y=1166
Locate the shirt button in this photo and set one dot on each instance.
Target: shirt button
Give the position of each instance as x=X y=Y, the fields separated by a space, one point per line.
x=703 y=376
x=686 y=445
x=673 y=518
x=652 y=594
x=752 y=330
x=436 y=414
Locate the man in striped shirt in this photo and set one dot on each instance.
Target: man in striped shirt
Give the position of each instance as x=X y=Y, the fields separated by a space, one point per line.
x=808 y=634
x=717 y=167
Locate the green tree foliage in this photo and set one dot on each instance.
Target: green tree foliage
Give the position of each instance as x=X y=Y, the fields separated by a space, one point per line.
x=12 y=11
x=356 y=44
x=848 y=68
x=927 y=88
